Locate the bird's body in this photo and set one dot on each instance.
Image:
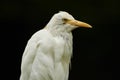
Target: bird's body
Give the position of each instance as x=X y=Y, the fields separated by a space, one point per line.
x=48 y=52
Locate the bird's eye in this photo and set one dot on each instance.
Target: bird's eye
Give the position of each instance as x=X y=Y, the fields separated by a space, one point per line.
x=64 y=20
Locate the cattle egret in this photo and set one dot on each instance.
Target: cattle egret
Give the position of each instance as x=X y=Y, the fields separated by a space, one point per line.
x=48 y=52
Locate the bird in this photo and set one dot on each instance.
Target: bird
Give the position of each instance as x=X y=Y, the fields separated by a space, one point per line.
x=48 y=52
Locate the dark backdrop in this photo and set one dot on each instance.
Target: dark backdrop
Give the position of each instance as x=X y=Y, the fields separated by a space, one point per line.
x=92 y=54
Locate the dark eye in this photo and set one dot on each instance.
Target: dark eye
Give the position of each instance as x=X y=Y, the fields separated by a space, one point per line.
x=64 y=20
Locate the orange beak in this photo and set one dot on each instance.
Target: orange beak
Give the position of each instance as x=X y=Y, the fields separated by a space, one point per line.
x=78 y=23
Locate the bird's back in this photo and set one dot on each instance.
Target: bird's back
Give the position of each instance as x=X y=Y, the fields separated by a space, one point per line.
x=36 y=57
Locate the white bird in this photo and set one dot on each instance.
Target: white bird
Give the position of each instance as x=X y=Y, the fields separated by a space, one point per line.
x=47 y=55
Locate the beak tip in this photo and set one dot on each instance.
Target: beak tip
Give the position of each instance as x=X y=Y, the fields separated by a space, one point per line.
x=90 y=26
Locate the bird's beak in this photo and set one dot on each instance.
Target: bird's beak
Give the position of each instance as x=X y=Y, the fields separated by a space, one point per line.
x=78 y=23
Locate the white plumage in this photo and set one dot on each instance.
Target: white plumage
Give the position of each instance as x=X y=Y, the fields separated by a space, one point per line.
x=48 y=52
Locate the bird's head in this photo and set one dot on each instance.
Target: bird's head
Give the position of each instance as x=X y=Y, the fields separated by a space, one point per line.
x=63 y=21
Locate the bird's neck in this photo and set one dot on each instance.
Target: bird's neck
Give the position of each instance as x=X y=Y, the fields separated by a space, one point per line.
x=59 y=32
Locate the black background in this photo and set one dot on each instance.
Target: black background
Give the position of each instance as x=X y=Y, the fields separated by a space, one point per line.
x=92 y=49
